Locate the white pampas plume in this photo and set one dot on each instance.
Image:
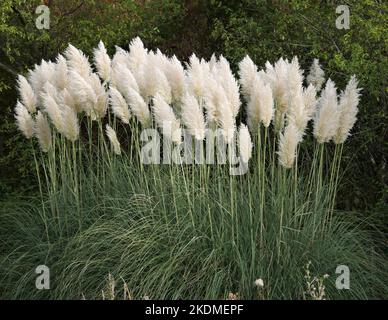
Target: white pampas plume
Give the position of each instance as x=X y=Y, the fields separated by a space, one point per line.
x=137 y=54
x=120 y=57
x=297 y=111
x=197 y=73
x=139 y=107
x=227 y=122
x=123 y=79
x=310 y=100
x=247 y=73
x=348 y=110
x=245 y=143
x=102 y=62
x=229 y=83
x=61 y=73
x=113 y=139
x=119 y=105
x=68 y=99
x=316 y=75
x=70 y=125
x=45 y=72
x=166 y=120
x=327 y=117
x=24 y=120
x=100 y=107
x=83 y=92
x=27 y=94
x=261 y=105
x=43 y=132
x=277 y=77
x=192 y=117
x=176 y=78
x=51 y=107
x=76 y=60
x=155 y=80
x=288 y=145
x=214 y=98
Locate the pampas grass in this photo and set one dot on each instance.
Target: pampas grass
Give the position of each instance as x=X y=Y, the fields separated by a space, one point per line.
x=166 y=119
x=245 y=143
x=43 y=132
x=348 y=110
x=111 y=134
x=119 y=105
x=195 y=220
x=326 y=120
x=24 y=120
x=316 y=75
x=192 y=117
x=102 y=62
x=27 y=95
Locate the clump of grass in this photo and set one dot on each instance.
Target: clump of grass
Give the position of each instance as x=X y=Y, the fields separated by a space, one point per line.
x=186 y=230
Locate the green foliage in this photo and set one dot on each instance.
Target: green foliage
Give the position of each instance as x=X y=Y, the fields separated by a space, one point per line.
x=168 y=234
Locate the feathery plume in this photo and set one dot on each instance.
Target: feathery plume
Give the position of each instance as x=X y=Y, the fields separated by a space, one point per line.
x=27 y=95
x=102 y=62
x=45 y=72
x=288 y=145
x=176 y=78
x=155 y=79
x=216 y=104
x=137 y=54
x=192 y=117
x=227 y=122
x=68 y=99
x=120 y=57
x=100 y=107
x=297 y=111
x=348 y=110
x=327 y=118
x=61 y=73
x=261 y=106
x=139 y=107
x=123 y=79
x=245 y=143
x=43 y=132
x=197 y=73
x=277 y=77
x=310 y=100
x=230 y=84
x=76 y=60
x=316 y=75
x=113 y=139
x=166 y=120
x=247 y=73
x=83 y=93
x=24 y=120
x=70 y=125
x=119 y=105
x=53 y=110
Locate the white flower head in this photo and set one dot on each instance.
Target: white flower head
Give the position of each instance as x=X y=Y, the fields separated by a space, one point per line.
x=259 y=283
x=112 y=136
x=245 y=143
x=24 y=120
x=102 y=62
x=316 y=75
x=27 y=94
